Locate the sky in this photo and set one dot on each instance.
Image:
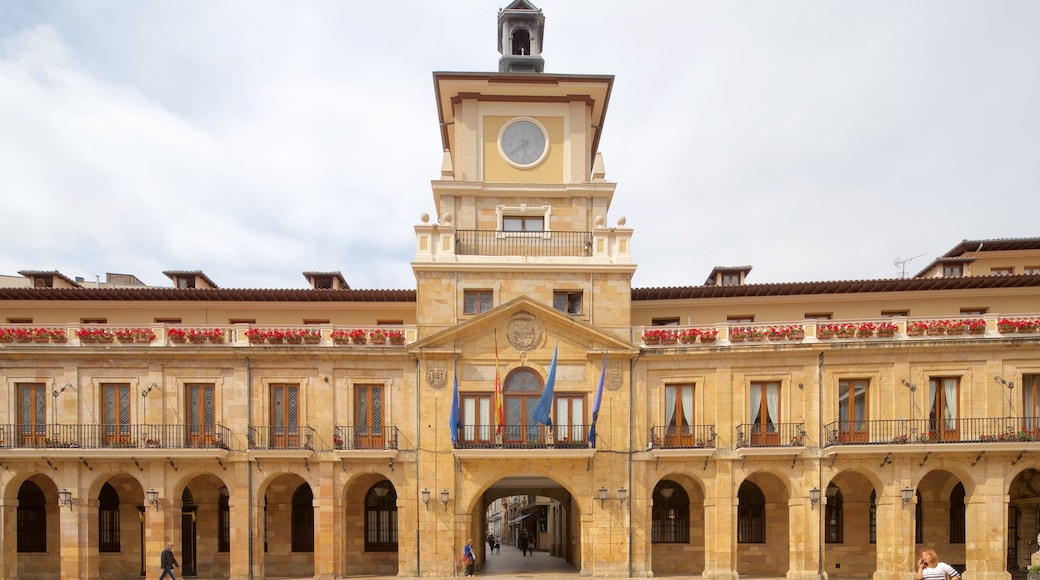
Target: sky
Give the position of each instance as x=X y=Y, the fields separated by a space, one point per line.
x=256 y=140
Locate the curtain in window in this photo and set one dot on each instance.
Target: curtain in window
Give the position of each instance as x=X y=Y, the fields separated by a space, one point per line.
x=950 y=394
x=756 y=401
x=773 y=405
x=687 y=407
x=669 y=408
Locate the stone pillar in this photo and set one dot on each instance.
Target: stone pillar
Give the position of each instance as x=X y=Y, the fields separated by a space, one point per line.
x=238 y=508
x=720 y=516
x=9 y=532
x=155 y=536
x=985 y=523
x=78 y=539
x=896 y=547
x=804 y=537
x=324 y=524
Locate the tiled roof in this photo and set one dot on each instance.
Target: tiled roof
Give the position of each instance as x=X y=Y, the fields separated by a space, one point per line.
x=206 y=295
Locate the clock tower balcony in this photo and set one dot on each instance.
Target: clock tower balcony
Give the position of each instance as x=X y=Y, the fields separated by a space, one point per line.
x=441 y=243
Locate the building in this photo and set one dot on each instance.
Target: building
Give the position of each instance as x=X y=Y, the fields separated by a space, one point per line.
x=792 y=429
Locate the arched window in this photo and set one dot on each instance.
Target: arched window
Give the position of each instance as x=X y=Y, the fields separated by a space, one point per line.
x=522 y=388
x=751 y=514
x=671 y=514
x=873 y=517
x=223 y=521
x=303 y=519
x=957 y=523
x=835 y=515
x=108 y=519
x=919 y=520
x=32 y=518
x=381 y=518
x=521 y=42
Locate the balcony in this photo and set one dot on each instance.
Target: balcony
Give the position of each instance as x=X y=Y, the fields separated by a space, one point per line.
x=524 y=437
x=997 y=430
x=287 y=438
x=533 y=244
x=202 y=336
x=772 y=435
x=348 y=438
x=683 y=437
x=163 y=437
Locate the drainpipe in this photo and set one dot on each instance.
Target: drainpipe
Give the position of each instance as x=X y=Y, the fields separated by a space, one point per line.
x=249 y=479
x=418 y=447
x=631 y=435
x=819 y=467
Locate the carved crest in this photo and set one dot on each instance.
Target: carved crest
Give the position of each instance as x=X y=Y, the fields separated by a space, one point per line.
x=615 y=375
x=524 y=331
x=436 y=377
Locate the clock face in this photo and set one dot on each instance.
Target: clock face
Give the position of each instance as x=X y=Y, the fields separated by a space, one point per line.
x=523 y=143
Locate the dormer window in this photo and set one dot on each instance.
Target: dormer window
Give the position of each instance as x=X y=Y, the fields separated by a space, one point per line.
x=185 y=281
x=43 y=282
x=731 y=278
x=953 y=270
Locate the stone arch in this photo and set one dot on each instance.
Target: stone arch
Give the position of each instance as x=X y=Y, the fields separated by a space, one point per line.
x=676 y=524
x=275 y=500
x=762 y=536
x=203 y=506
x=23 y=564
x=358 y=557
x=856 y=520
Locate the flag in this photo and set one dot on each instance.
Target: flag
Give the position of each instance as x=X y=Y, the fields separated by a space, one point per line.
x=543 y=410
x=455 y=421
x=499 y=418
x=596 y=402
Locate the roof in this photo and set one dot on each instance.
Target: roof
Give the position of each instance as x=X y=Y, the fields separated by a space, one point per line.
x=206 y=295
x=174 y=274
x=55 y=273
x=973 y=246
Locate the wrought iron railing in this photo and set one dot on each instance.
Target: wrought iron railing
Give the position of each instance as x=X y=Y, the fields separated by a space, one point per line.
x=922 y=431
x=502 y=243
x=345 y=437
x=114 y=436
x=288 y=437
x=771 y=435
x=523 y=437
x=683 y=436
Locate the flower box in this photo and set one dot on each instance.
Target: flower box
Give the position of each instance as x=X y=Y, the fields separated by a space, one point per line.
x=977 y=326
x=916 y=328
x=826 y=331
x=866 y=330
x=737 y=334
x=377 y=336
x=709 y=336
x=776 y=333
x=93 y=335
x=395 y=337
x=756 y=335
x=845 y=330
x=795 y=333
x=886 y=330
x=659 y=336
x=689 y=336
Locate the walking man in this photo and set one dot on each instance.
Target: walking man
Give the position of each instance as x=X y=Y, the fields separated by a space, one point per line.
x=168 y=562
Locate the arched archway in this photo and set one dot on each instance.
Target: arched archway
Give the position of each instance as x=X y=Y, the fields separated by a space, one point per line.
x=677 y=526
x=763 y=526
x=287 y=530
x=371 y=522
x=205 y=523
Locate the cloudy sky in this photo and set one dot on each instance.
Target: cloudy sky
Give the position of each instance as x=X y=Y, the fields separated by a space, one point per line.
x=255 y=140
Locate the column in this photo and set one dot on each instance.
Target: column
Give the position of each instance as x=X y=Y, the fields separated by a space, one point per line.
x=720 y=517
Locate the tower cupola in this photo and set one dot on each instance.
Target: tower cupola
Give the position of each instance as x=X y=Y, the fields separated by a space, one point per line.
x=520 y=33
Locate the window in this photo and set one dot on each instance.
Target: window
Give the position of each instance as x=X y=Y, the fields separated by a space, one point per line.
x=315 y=321
x=241 y=321
x=942 y=403
x=476 y=418
x=285 y=412
x=973 y=311
x=368 y=417
x=93 y=321
x=678 y=415
x=1001 y=271
x=223 y=522
x=521 y=389
x=670 y=321
x=873 y=517
x=1032 y=270
x=567 y=301
x=476 y=301
x=895 y=313
x=834 y=517
x=32 y=413
x=751 y=514
x=108 y=519
x=31 y=518
x=390 y=322
x=523 y=223
x=952 y=270
x=852 y=411
x=670 y=523
x=570 y=420
x=303 y=519
x=115 y=403
x=201 y=414
x=731 y=278
x=740 y=318
x=167 y=320
x=765 y=413
x=43 y=281
x=819 y=315
x=381 y=518
x=185 y=281
x=19 y=320
x=919 y=520
x=1031 y=399
x=957 y=513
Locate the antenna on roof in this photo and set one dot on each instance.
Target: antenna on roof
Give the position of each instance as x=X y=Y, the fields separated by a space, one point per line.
x=901 y=264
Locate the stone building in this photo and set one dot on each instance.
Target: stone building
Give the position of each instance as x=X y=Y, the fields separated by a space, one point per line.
x=779 y=429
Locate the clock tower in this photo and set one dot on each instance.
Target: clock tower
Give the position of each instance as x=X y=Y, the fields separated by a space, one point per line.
x=520 y=31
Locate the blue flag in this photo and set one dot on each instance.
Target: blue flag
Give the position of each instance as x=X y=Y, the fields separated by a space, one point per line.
x=596 y=402
x=543 y=410
x=455 y=421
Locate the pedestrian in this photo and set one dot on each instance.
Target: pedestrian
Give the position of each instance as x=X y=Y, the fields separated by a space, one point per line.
x=468 y=559
x=930 y=568
x=498 y=545
x=168 y=562
x=491 y=543
x=523 y=542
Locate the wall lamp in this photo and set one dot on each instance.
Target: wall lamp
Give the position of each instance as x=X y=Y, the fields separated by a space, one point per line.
x=57 y=392
x=444 y=498
x=814 y=497
x=151 y=496
x=145 y=392
x=65 y=498
x=426 y=498
x=907 y=494
x=602 y=495
x=622 y=495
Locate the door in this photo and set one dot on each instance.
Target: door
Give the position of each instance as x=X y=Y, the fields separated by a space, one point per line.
x=678 y=416
x=942 y=414
x=116 y=409
x=285 y=407
x=368 y=417
x=32 y=414
x=522 y=389
x=200 y=413
x=188 y=545
x=765 y=413
x=852 y=411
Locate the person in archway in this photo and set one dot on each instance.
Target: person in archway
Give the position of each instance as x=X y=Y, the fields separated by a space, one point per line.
x=491 y=542
x=168 y=562
x=523 y=542
x=468 y=558
x=930 y=568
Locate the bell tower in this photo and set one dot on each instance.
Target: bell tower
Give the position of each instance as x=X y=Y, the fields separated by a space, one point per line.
x=520 y=32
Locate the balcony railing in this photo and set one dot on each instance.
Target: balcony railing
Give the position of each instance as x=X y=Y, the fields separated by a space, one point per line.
x=928 y=431
x=285 y=438
x=345 y=437
x=56 y=436
x=772 y=435
x=683 y=436
x=541 y=244
x=524 y=437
